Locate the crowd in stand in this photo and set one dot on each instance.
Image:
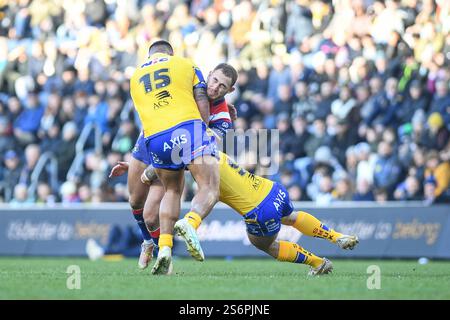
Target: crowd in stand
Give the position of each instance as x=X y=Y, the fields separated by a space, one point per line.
x=358 y=89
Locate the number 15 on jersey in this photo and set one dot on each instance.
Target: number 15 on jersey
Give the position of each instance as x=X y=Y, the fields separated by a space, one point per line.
x=156 y=80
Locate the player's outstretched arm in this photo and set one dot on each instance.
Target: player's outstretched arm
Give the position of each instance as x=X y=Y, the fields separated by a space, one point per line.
x=201 y=98
x=147 y=177
x=119 y=169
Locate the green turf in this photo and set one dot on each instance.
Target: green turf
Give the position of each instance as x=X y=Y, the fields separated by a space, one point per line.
x=46 y=278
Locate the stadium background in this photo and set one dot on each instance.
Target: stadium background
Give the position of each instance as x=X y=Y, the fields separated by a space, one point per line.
x=358 y=89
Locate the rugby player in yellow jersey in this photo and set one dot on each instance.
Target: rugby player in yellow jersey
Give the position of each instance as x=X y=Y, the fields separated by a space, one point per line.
x=169 y=94
x=264 y=205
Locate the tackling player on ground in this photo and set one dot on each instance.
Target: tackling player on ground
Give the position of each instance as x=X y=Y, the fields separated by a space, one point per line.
x=265 y=205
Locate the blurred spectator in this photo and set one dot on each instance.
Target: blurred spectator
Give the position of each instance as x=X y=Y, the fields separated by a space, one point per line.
x=32 y=155
x=342 y=106
x=295 y=147
x=69 y=192
x=364 y=192
x=65 y=153
x=51 y=140
x=383 y=114
x=299 y=23
x=324 y=100
x=317 y=138
x=285 y=131
x=418 y=165
x=366 y=162
x=125 y=137
x=343 y=190
x=341 y=138
x=303 y=106
x=351 y=162
x=283 y=101
x=438 y=172
x=368 y=103
x=324 y=195
x=387 y=170
x=441 y=100
x=11 y=173
x=85 y=194
x=381 y=195
x=27 y=123
x=408 y=190
x=323 y=165
x=277 y=77
x=6 y=139
x=44 y=194
x=415 y=100
x=95 y=173
x=20 y=194
x=437 y=135
x=295 y=193
x=429 y=188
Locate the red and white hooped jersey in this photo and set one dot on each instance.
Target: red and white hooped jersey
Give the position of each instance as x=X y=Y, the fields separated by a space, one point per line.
x=219 y=118
x=219 y=111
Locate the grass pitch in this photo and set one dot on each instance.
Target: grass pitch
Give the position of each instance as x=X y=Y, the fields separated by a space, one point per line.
x=47 y=278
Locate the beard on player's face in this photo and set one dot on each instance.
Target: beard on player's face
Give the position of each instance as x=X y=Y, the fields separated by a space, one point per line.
x=217 y=85
x=213 y=94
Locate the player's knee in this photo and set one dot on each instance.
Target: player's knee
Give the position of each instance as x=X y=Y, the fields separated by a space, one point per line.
x=152 y=223
x=214 y=194
x=137 y=198
x=288 y=221
x=136 y=203
x=213 y=190
x=173 y=192
x=151 y=215
x=210 y=192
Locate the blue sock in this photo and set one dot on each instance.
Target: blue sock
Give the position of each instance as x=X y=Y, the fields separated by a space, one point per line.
x=138 y=215
x=155 y=238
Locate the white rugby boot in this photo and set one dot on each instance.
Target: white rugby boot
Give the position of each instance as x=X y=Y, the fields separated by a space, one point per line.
x=184 y=229
x=325 y=268
x=146 y=255
x=163 y=264
x=347 y=242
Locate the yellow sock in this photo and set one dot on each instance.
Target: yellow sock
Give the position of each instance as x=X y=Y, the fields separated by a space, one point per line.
x=165 y=240
x=194 y=219
x=292 y=252
x=313 y=227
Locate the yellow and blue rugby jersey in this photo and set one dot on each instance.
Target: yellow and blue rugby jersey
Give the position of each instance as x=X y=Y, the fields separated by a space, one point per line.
x=162 y=92
x=240 y=189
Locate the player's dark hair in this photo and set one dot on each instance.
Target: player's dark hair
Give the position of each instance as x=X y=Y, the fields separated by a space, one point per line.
x=162 y=46
x=228 y=71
